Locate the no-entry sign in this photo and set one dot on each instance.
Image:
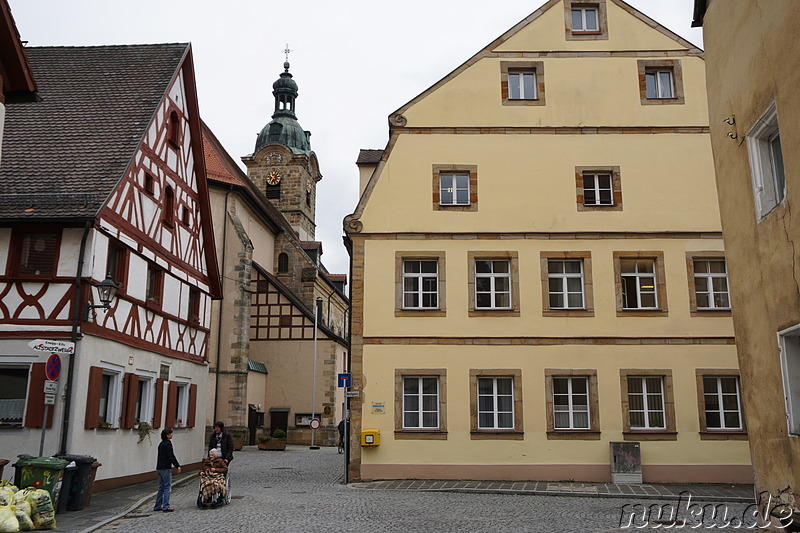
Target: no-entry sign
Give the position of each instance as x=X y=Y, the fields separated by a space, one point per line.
x=314 y=424
x=53 y=367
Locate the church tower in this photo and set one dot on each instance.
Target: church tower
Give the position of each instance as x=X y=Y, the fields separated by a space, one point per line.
x=283 y=165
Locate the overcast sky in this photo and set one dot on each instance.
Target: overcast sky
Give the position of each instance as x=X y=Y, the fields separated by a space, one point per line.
x=355 y=61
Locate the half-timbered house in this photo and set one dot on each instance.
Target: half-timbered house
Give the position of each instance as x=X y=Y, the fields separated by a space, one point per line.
x=103 y=179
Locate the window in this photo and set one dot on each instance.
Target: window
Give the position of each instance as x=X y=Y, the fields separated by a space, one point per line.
x=182 y=406
x=648 y=404
x=185 y=215
x=420 y=284
x=522 y=83
x=722 y=405
x=174 y=129
x=117 y=263
x=660 y=81
x=13 y=392
x=155 y=281
x=789 y=342
x=565 y=283
x=585 y=20
x=194 y=305
x=273 y=192
x=149 y=185
x=495 y=403
x=283 y=263
x=640 y=282
x=598 y=188
x=492 y=284
x=766 y=162
x=710 y=284
x=38 y=253
x=109 y=396
x=420 y=408
x=143 y=412
x=455 y=188
x=169 y=205
x=572 y=404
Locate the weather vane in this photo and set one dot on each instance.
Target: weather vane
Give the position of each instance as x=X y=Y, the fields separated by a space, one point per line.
x=287 y=51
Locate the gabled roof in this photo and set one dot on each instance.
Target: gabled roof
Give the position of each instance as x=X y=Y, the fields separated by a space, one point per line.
x=369 y=157
x=62 y=156
x=17 y=75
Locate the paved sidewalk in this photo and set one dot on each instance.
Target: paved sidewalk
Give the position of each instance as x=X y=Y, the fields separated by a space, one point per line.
x=699 y=492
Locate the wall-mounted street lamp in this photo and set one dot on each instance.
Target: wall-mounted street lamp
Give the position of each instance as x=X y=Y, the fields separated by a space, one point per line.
x=107 y=289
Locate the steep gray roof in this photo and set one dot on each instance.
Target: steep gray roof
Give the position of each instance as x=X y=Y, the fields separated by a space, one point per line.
x=62 y=156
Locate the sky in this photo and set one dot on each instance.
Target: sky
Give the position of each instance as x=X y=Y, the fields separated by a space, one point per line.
x=355 y=61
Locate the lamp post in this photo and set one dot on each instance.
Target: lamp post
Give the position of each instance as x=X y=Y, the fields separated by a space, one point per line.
x=107 y=289
x=314 y=377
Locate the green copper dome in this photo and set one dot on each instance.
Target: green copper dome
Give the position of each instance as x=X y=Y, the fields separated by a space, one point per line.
x=284 y=128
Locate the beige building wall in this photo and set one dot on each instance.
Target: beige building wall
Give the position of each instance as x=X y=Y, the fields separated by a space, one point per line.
x=526 y=161
x=752 y=64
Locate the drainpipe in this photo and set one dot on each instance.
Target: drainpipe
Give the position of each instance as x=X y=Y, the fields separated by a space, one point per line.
x=219 y=318
x=76 y=322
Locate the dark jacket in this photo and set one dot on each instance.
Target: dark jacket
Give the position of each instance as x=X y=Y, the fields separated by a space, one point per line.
x=166 y=457
x=227 y=444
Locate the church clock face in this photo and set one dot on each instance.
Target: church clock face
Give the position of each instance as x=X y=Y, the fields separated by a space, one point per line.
x=273 y=178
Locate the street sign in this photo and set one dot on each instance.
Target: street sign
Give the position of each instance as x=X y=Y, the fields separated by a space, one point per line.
x=53 y=368
x=314 y=424
x=50 y=387
x=49 y=399
x=346 y=380
x=51 y=346
x=352 y=394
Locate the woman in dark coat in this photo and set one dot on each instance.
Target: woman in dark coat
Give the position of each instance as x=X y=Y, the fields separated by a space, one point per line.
x=166 y=459
x=222 y=441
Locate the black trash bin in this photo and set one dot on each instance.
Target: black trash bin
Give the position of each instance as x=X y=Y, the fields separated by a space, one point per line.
x=70 y=471
x=80 y=483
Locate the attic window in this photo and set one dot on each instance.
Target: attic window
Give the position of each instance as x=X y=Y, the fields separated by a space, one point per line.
x=185 y=215
x=283 y=263
x=149 y=186
x=169 y=205
x=585 y=21
x=174 y=129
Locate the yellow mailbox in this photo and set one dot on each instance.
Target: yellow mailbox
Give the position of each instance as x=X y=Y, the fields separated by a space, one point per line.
x=370 y=437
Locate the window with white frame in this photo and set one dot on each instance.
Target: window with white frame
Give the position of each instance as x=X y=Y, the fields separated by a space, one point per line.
x=571 y=403
x=766 y=162
x=789 y=341
x=13 y=393
x=420 y=284
x=711 y=284
x=110 y=399
x=421 y=402
x=638 y=283
x=597 y=189
x=182 y=405
x=143 y=411
x=492 y=284
x=522 y=85
x=565 y=283
x=454 y=188
x=496 y=403
x=722 y=403
x=659 y=83
x=585 y=19
x=646 y=402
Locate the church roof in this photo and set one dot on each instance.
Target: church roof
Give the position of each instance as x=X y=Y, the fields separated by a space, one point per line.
x=62 y=156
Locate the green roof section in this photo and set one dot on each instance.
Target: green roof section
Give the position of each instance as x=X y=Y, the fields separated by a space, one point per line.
x=257 y=366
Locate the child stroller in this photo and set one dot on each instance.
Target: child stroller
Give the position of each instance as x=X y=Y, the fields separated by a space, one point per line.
x=211 y=497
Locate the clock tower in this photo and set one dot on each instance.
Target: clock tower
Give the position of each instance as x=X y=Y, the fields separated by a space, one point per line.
x=282 y=165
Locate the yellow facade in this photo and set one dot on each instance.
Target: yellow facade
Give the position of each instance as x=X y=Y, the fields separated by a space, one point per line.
x=527 y=163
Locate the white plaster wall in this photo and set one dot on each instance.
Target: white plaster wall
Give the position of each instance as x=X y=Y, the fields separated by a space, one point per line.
x=96 y=262
x=5 y=242
x=172 y=295
x=137 y=277
x=69 y=252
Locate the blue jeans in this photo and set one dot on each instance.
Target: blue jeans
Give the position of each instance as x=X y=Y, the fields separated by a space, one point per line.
x=164 y=489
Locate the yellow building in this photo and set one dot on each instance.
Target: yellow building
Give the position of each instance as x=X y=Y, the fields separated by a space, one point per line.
x=753 y=72
x=538 y=268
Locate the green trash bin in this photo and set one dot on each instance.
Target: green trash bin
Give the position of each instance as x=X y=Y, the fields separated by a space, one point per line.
x=42 y=473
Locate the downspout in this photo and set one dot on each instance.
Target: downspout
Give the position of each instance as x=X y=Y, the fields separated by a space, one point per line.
x=76 y=321
x=219 y=318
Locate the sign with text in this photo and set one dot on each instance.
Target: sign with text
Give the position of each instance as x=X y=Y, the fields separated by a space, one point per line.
x=49 y=399
x=378 y=408
x=51 y=346
x=50 y=387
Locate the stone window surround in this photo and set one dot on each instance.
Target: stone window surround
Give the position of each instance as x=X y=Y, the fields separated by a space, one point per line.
x=661 y=285
x=513 y=259
x=420 y=434
x=670 y=433
x=588 y=295
x=677 y=81
x=473 y=187
x=401 y=256
x=518 y=433
x=593 y=433
x=602 y=19
x=516 y=66
x=690 y=258
x=616 y=187
x=717 y=434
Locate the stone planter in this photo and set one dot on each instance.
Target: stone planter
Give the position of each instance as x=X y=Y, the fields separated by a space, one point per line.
x=274 y=444
x=238 y=443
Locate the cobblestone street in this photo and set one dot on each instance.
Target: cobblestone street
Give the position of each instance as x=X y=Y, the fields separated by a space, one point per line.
x=300 y=490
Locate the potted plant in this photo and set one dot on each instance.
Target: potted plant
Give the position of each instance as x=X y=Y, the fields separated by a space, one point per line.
x=277 y=441
x=144 y=430
x=263 y=441
x=238 y=440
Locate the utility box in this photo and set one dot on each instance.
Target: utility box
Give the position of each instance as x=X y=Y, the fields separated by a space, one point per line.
x=370 y=437
x=626 y=462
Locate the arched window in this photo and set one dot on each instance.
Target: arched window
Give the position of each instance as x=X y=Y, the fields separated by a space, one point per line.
x=283 y=263
x=169 y=205
x=174 y=128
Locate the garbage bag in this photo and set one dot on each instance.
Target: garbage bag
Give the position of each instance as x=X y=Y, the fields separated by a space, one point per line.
x=7 y=485
x=6 y=497
x=8 y=519
x=23 y=513
x=42 y=512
